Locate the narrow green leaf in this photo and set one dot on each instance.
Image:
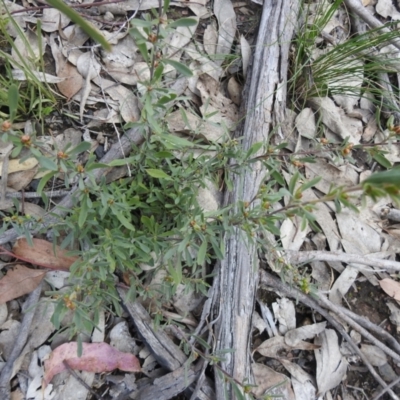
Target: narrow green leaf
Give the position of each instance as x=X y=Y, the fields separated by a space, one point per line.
x=83 y=146
x=201 y=255
x=124 y=221
x=80 y=21
x=181 y=68
x=381 y=159
x=310 y=184
x=83 y=214
x=158 y=173
x=13 y=97
x=44 y=180
x=391 y=177
x=293 y=181
x=183 y=22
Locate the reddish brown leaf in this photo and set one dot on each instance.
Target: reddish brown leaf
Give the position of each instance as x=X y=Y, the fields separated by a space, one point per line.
x=96 y=357
x=19 y=281
x=42 y=253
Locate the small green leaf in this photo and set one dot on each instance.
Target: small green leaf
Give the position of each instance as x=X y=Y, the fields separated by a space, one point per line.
x=254 y=149
x=183 y=22
x=201 y=255
x=158 y=173
x=278 y=177
x=181 y=68
x=48 y=164
x=81 y=22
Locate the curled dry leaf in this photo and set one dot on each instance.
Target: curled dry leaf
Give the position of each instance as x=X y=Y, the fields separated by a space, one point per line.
x=42 y=253
x=271 y=347
x=391 y=287
x=96 y=357
x=19 y=281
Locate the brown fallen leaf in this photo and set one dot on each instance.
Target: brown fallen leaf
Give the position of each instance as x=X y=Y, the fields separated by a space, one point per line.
x=19 y=281
x=96 y=357
x=391 y=287
x=42 y=253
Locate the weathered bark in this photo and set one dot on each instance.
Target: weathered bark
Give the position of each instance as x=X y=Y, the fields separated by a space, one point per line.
x=264 y=105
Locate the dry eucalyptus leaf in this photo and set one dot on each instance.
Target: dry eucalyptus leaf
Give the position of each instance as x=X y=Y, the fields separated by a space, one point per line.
x=386 y=9
x=96 y=357
x=225 y=14
x=16 y=165
x=9 y=331
x=246 y=54
x=305 y=123
x=272 y=382
x=285 y=313
x=391 y=287
x=334 y=118
x=213 y=100
x=374 y=355
x=72 y=80
x=210 y=39
x=20 y=52
x=235 y=90
x=19 y=281
x=271 y=347
x=331 y=365
x=305 y=332
x=20 y=180
x=53 y=20
x=42 y=253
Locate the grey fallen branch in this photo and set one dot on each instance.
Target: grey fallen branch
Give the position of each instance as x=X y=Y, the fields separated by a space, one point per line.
x=20 y=341
x=269 y=280
x=118 y=150
x=168 y=355
x=301 y=257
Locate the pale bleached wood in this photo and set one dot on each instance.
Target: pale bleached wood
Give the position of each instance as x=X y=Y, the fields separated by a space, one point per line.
x=264 y=105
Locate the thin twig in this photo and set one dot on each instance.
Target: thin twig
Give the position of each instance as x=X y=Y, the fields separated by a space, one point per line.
x=300 y=257
x=86 y=5
x=35 y=195
x=332 y=307
x=384 y=390
x=269 y=280
x=80 y=380
x=20 y=341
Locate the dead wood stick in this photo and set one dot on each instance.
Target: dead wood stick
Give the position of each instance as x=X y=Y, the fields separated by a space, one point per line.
x=269 y=280
x=357 y=7
x=263 y=107
x=20 y=341
x=133 y=136
x=332 y=307
x=299 y=257
x=383 y=391
x=389 y=339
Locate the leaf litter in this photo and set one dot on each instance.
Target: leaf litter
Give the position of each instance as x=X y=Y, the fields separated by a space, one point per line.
x=79 y=77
